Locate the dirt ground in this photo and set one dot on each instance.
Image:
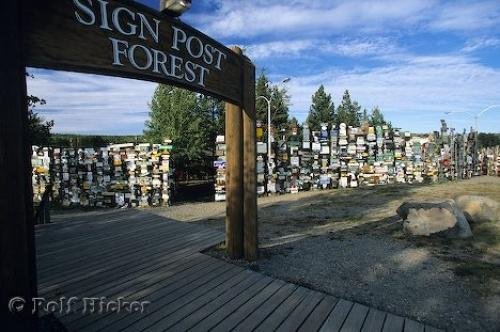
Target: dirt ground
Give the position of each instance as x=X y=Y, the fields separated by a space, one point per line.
x=350 y=243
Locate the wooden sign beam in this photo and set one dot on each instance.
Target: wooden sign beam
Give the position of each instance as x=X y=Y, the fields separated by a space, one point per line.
x=17 y=252
x=124 y=38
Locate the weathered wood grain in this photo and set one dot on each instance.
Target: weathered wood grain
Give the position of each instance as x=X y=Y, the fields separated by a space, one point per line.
x=17 y=251
x=234 y=178
x=55 y=39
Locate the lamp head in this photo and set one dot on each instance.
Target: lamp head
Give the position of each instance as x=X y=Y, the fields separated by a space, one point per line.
x=174 y=8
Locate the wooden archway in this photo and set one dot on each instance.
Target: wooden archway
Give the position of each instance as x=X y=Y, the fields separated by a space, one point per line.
x=115 y=38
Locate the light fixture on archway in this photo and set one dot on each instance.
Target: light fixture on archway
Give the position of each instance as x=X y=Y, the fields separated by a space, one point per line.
x=174 y=8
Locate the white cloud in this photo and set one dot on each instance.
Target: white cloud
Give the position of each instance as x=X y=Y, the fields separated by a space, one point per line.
x=467 y=16
x=419 y=86
x=91 y=103
x=249 y=18
x=482 y=43
x=301 y=48
x=305 y=18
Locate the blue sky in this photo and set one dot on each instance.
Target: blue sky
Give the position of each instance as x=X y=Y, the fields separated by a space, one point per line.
x=416 y=59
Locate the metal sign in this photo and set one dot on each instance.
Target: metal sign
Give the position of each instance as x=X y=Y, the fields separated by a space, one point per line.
x=126 y=39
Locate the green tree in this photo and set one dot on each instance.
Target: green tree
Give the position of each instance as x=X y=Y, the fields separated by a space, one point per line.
x=177 y=114
x=377 y=118
x=38 y=128
x=322 y=109
x=262 y=89
x=293 y=123
x=214 y=109
x=348 y=112
x=280 y=102
x=488 y=140
x=365 y=117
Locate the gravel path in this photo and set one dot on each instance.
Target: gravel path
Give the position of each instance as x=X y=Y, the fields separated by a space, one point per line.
x=386 y=274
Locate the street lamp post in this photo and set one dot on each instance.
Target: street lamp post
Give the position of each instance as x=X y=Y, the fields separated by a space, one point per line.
x=268 y=100
x=476 y=115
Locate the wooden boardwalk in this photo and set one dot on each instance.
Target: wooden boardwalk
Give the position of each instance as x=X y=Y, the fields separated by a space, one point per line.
x=141 y=257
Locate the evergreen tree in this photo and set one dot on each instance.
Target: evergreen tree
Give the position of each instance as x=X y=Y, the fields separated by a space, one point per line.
x=38 y=128
x=262 y=89
x=377 y=118
x=177 y=114
x=488 y=139
x=293 y=122
x=365 y=118
x=214 y=108
x=322 y=109
x=280 y=102
x=348 y=112
x=355 y=114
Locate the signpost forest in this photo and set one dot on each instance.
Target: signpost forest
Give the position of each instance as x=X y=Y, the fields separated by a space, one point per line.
x=115 y=38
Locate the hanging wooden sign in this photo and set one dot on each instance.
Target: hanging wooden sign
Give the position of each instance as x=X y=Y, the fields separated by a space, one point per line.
x=126 y=39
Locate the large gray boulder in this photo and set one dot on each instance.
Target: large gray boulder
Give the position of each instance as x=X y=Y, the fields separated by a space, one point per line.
x=478 y=208
x=427 y=218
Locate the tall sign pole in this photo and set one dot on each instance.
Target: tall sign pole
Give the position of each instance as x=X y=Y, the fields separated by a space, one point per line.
x=17 y=252
x=241 y=195
x=234 y=177
x=249 y=165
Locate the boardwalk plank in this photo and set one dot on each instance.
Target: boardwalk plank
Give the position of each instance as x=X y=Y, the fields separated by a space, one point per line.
x=170 y=320
x=113 y=261
x=95 y=255
x=171 y=291
x=374 y=321
x=337 y=317
x=206 y=305
x=301 y=312
x=217 y=316
x=98 y=274
x=413 y=326
x=356 y=318
x=177 y=300
x=256 y=317
x=129 y=289
x=52 y=242
x=273 y=321
x=393 y=323
x=242 y=312
x=319 y=314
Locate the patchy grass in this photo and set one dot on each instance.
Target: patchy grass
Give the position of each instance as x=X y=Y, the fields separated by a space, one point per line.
x=487 y=235
x=479 y=269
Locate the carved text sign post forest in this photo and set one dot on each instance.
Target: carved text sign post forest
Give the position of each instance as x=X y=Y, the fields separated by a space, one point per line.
x=116 y=38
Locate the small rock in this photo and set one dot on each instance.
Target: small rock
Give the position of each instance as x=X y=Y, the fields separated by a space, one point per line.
x=426 y=218
x=478 y=209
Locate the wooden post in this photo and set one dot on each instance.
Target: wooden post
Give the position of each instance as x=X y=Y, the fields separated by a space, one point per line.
x=234 y=177
x=17 y=252
x=249 y=167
